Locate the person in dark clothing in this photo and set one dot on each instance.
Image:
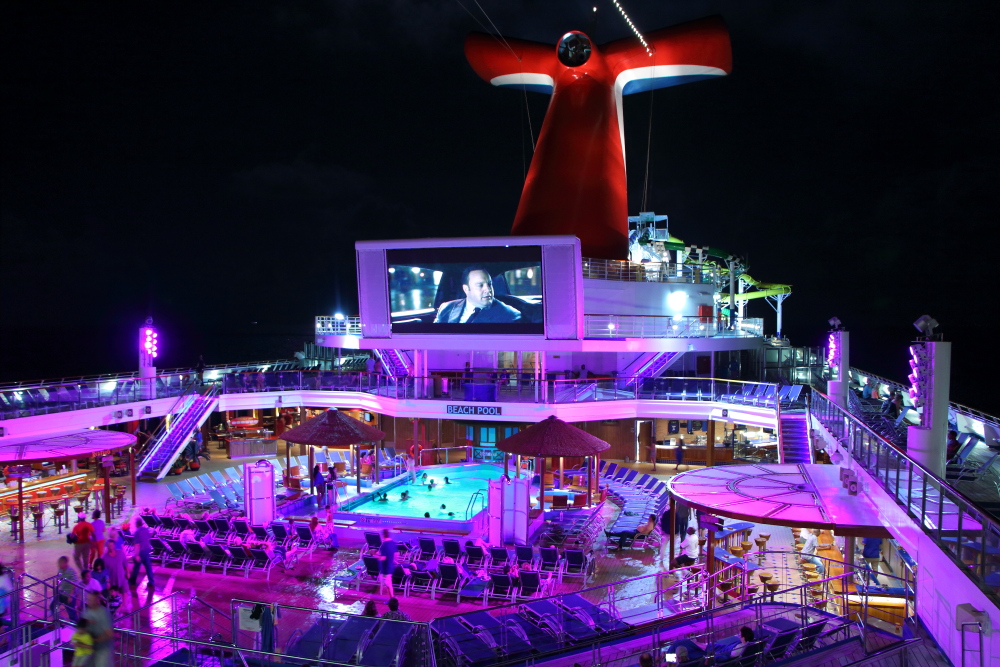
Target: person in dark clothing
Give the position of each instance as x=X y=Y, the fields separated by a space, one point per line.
x=953 y=445
x=199 y=369
x=872 y=553
x=387 y=561
x=319 y=486
x=144 y=556
x=679 y=453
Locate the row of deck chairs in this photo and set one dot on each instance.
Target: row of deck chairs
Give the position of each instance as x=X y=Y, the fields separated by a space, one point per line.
x=533 y=628
x=243 y=558
x=572 y=528
x=787 y=637
x=209 y=491
x=639 y=496
x=765 y=395
x=224 y=530
x=358 y=640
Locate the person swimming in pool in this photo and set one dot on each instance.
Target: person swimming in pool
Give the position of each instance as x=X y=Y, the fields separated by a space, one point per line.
x=451 y=515
x=446 y=481
x=405 y=495
x=427 y=515
x=423 y=478
x=381 y=498
x=431 y=484
x=443 y=510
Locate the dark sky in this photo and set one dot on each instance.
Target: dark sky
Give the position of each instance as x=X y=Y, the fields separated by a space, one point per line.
x=212 y=164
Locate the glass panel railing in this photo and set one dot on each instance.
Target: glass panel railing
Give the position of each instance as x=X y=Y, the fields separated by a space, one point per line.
x=956 y=523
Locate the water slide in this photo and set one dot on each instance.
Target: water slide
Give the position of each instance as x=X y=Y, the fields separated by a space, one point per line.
x=761 y=291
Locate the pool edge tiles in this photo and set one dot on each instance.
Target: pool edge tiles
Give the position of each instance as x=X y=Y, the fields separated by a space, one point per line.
x=346 y=512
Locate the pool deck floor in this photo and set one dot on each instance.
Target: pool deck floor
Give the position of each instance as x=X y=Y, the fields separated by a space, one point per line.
x=309 y=584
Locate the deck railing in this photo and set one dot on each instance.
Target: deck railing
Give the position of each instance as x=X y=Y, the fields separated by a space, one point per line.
x=960 y=528
x=501 y=386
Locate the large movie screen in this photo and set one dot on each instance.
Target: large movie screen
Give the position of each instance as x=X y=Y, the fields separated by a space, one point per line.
x=466 y=290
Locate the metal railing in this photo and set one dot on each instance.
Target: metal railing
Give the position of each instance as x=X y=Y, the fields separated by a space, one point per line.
x=663 y=326
x=651 y=272
x=611 y=326
x=500 y=386
x=904 y=389
x=211 y=371
x=956 y=524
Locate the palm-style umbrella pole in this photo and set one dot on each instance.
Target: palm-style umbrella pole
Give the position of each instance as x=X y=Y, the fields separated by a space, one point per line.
x=551 y=437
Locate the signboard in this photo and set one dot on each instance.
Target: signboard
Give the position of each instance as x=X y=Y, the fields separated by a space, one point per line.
x=19 y=471
x=708 y=521
x=491 y=410
x=243 y=422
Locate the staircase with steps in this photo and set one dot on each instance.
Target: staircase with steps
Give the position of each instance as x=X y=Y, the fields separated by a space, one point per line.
x=795 y=446
x=394 y=362
x=649 y=367
x=190 y=412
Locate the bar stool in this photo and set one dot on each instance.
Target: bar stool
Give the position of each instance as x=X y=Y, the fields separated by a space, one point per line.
x=15 y=519
x=38 y=515
x=120 y=497
x=747 y=545
x=761 y=544
x=736 y=551
x=765 y=577
x=59 y=513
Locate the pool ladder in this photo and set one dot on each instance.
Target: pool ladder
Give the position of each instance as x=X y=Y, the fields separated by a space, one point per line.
x=469 y=509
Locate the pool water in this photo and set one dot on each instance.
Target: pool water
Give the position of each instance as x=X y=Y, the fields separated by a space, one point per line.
x=464 y=480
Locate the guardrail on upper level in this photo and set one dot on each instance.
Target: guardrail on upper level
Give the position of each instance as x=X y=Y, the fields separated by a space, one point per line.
x=651 y=272
x=661 y=326
x=500 y=386
x=959 y=527
x=609 y=326
x=211 y=372
x=905 y=389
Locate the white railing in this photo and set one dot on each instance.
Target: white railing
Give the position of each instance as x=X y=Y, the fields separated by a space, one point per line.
x=653 y=272
x=659 y=326
x=327 y=325
x=609 y=326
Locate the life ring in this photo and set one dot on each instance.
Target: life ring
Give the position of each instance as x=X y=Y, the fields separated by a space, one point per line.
x=419 y=448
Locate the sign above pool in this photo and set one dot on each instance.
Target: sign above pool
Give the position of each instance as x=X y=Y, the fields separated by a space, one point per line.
x=474 y=410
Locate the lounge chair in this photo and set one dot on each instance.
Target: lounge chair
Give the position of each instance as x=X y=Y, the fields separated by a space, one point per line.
x=600 y=618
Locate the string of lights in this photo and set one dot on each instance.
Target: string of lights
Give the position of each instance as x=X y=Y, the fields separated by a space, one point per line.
x=649 y=49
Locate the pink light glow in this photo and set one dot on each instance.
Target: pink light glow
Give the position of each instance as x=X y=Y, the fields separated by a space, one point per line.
x=149 y=331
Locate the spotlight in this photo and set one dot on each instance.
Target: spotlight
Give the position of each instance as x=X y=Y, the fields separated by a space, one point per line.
x=926 y=325
x=835 y=323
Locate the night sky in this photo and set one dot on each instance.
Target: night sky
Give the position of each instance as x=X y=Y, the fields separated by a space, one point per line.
x=212 y=165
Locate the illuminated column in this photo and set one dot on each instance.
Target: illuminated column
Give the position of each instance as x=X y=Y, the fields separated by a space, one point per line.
x=838 y=358
x=929 y=391
x=148 y=351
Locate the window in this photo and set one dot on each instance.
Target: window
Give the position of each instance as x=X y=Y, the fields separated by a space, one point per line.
x=487 y=435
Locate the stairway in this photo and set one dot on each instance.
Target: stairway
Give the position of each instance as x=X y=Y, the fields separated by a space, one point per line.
x=650 y=367
x=795 y=446
x=394 y=362
x=189 y=414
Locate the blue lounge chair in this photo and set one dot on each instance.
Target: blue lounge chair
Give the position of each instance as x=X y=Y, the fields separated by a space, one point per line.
x=546 y=613
x=598 y=616
x=352 y=634
x=511 y=643
x=464 y=646
x=388 y=644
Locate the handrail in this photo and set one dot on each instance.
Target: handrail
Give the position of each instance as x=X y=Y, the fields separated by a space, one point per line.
x=781 y=431
x=886 y=651
x=156 y=437
x=868 y=453
x=134 y=375
x=982 y=652
x=957 y=407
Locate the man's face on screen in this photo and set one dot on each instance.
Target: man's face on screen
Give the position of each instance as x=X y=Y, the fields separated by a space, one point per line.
x=479 y=290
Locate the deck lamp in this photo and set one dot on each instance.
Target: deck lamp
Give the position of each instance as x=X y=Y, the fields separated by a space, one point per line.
x=149 y=344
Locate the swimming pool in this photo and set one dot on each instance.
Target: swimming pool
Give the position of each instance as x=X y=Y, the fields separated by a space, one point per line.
x=465 y=480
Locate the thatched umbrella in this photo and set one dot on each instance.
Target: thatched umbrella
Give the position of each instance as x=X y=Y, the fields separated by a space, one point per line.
x=552 y=437
x=334 y=429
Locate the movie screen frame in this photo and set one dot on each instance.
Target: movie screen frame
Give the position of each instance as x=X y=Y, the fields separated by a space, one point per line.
x=516 y=274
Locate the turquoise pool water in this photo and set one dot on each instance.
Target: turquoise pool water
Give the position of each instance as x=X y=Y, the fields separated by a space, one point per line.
x=465 y=481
